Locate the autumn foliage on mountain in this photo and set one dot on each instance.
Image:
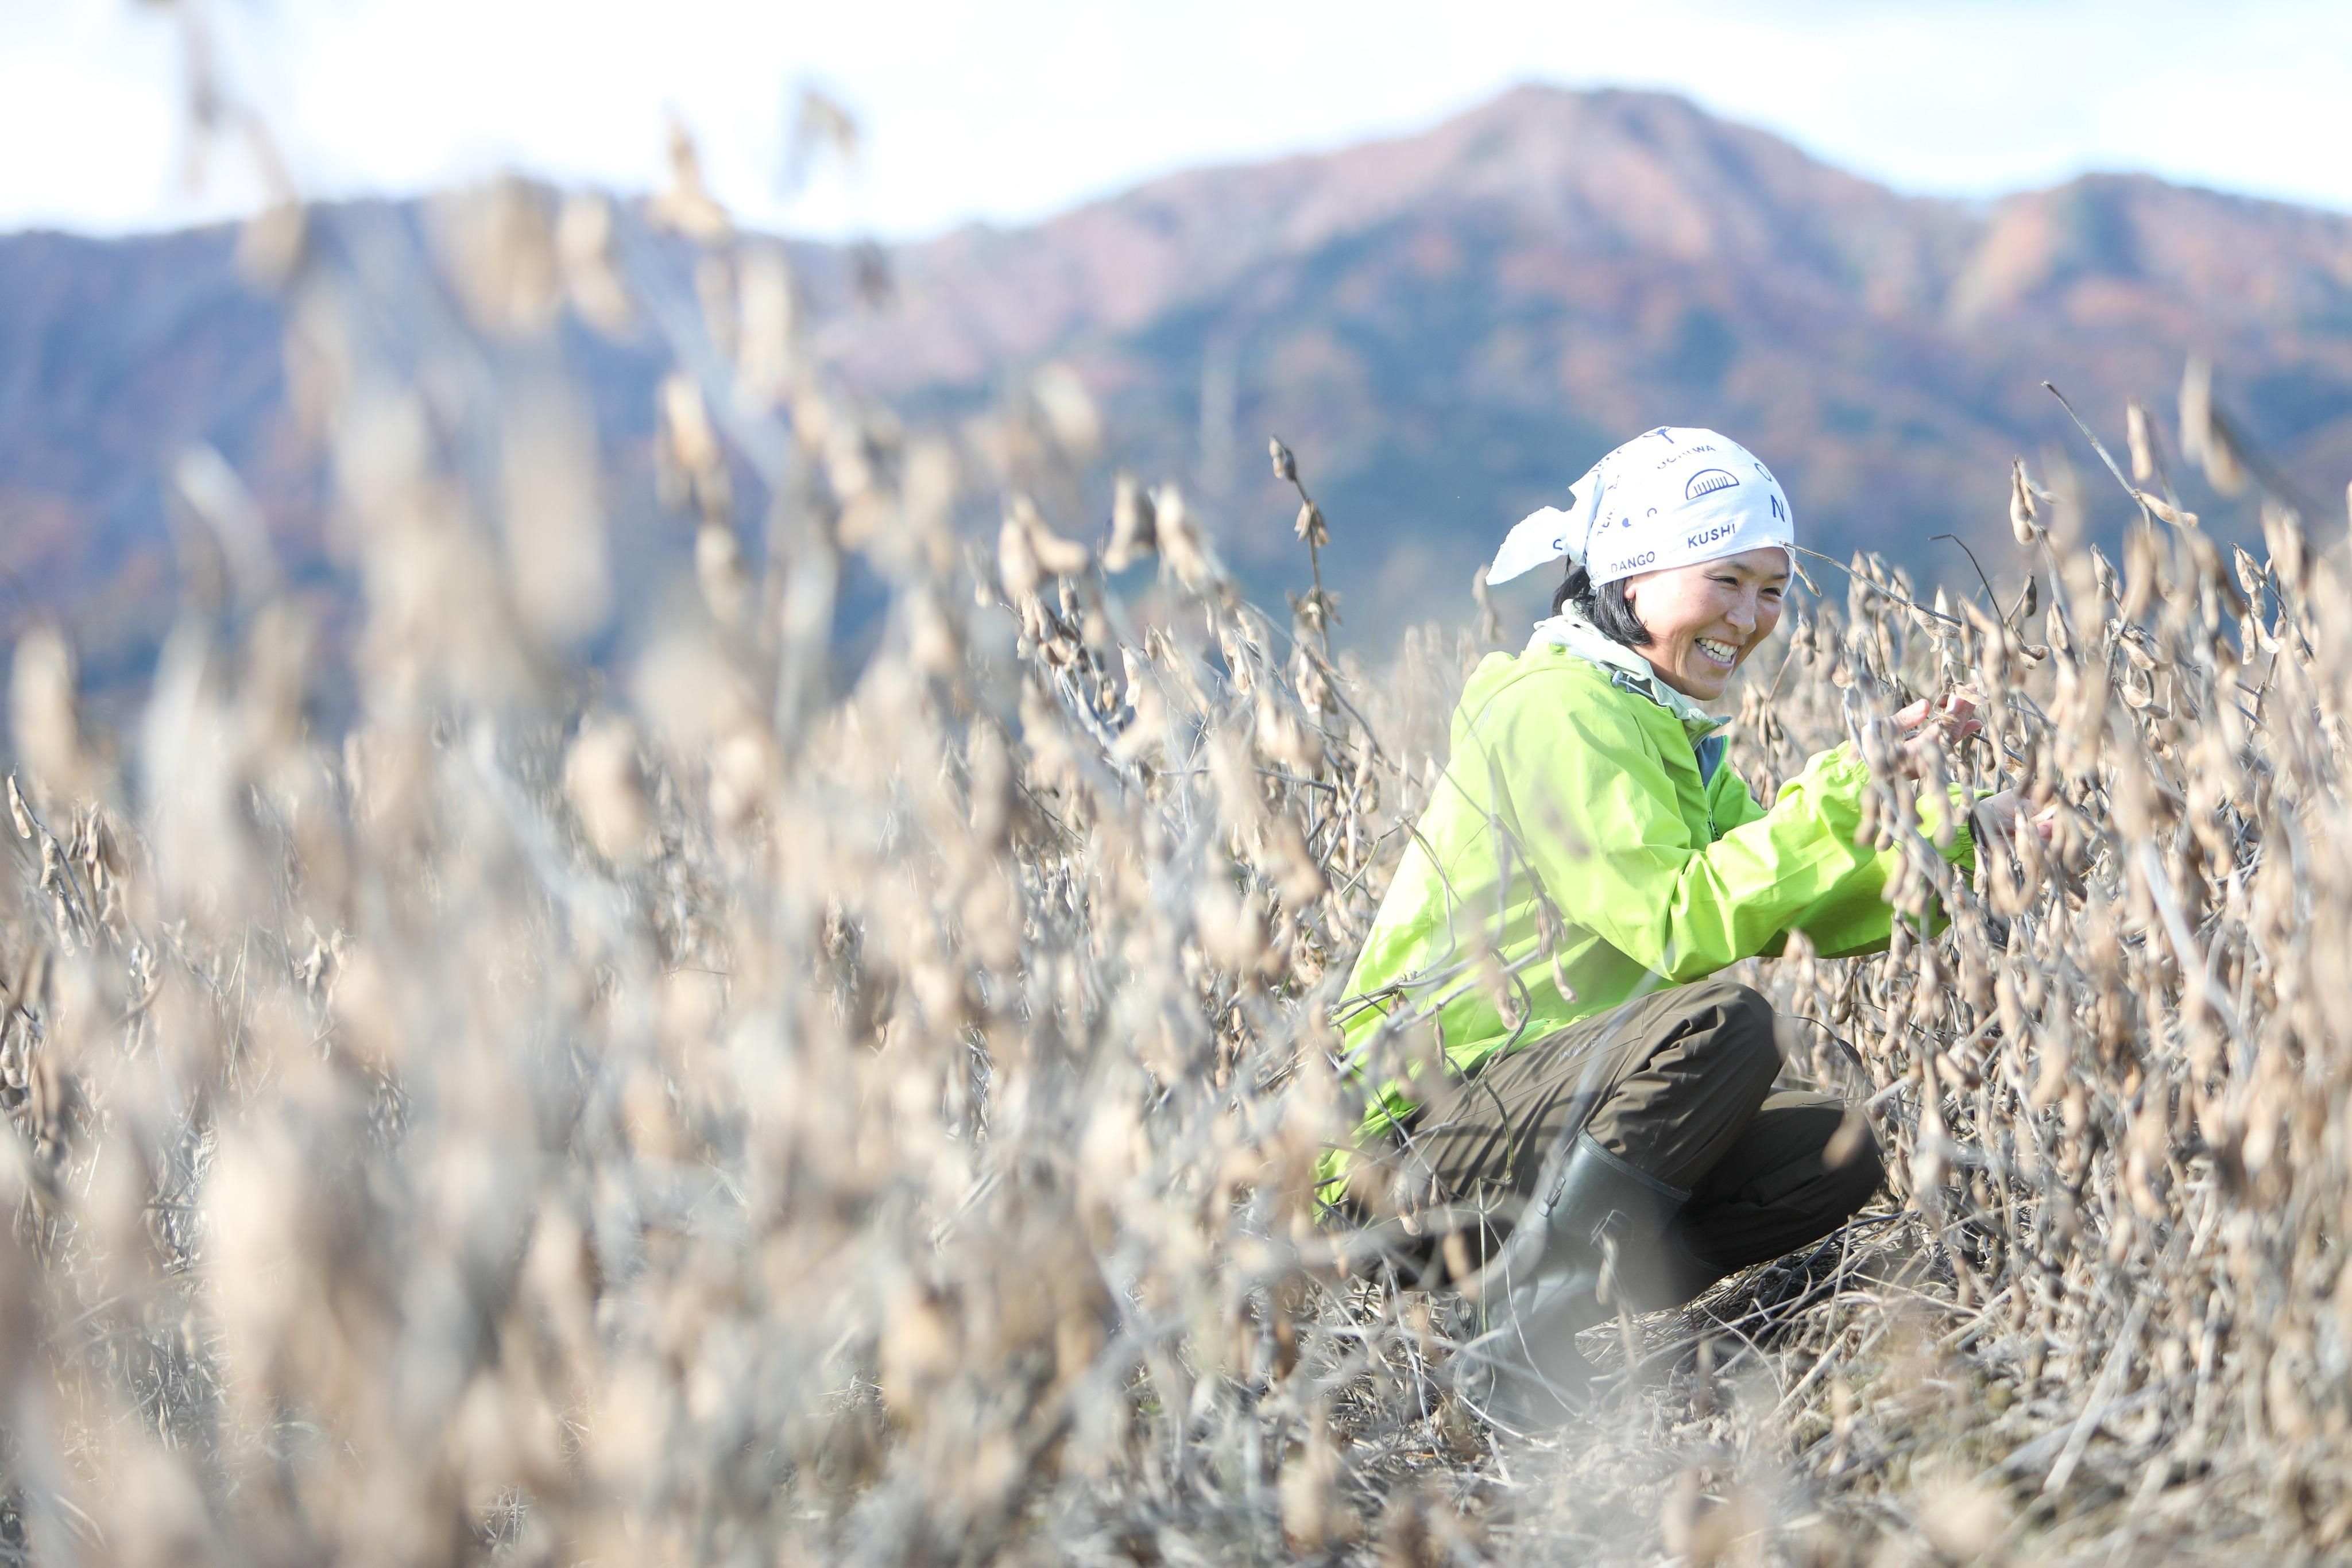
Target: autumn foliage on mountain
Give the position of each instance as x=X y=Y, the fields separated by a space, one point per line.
x=1449 y=327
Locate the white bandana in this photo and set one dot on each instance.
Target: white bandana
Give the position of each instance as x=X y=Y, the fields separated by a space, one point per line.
x=1674 y=497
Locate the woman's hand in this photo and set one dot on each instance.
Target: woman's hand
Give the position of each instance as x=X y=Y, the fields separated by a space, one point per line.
x=1929 y=725
x=2000 y=819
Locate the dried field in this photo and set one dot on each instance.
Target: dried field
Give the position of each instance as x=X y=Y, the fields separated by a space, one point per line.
x=748 y=1109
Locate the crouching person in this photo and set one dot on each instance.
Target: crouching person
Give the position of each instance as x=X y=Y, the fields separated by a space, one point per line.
x=1620 y=1128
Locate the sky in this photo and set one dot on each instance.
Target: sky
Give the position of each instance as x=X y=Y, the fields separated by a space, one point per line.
x=1009 y=111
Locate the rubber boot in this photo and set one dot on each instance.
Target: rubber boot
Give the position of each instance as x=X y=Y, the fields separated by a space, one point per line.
x=1595 y=1236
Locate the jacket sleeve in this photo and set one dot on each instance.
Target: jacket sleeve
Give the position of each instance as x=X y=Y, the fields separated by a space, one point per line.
x=1595 y=808
x=1733 y=802
x=1855 y=917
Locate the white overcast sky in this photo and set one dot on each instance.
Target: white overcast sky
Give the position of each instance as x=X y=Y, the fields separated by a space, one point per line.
x=1011 y=111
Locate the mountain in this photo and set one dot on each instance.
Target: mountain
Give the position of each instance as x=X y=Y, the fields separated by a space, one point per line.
x=1447 y=327
x=1450 y=327
x=112 y=355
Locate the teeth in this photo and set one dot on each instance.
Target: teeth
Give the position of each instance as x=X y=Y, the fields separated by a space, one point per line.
x=1722 y=651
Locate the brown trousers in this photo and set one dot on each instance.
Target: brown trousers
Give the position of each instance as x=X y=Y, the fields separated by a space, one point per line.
x=1677 y=1084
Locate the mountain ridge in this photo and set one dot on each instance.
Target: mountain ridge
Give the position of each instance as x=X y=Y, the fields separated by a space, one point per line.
x=1662 y=259
x=1448 y=326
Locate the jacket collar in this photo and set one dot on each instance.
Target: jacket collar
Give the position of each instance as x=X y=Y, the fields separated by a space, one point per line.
x=1581 y=637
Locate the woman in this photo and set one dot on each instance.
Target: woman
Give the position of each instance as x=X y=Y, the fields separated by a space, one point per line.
x=1583 y=867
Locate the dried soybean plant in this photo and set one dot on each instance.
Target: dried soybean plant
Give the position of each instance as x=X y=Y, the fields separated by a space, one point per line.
x=763 y=1107
x=2108 y=1319
x=751 y=1108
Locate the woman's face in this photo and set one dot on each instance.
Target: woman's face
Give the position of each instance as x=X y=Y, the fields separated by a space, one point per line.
x=1704 y=620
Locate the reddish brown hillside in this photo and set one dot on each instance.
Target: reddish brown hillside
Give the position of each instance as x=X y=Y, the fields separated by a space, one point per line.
x=1449 y=327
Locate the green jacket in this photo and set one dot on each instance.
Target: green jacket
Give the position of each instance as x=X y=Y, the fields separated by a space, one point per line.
x=1602 y=792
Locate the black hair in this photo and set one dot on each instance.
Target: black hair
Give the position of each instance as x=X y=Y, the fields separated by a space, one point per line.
x=1606 y=607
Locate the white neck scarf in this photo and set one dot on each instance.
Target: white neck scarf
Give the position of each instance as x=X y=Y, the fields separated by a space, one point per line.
x=1581 y=637
x=1674 y=497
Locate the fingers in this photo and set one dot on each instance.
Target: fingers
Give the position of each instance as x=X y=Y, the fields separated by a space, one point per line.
x=1951 y=719
x=1928 y=723
x=1996 y=814
x=2003 y=815
x=1959 y=707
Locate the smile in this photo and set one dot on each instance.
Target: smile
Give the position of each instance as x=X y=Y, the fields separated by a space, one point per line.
x=1722 y=653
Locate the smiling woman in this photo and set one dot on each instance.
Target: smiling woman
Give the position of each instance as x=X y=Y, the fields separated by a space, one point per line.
x=1606 y=1132
x=1703 y=621
x=1707 y=618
